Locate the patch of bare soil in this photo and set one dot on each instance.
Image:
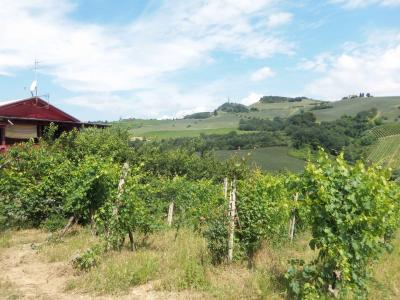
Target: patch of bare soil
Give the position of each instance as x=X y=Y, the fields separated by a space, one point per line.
x=31 y=278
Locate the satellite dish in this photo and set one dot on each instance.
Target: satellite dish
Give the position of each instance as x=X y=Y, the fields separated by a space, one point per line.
x=33 y=87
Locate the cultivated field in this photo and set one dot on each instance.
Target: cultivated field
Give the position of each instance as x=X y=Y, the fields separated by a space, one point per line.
x=386 y=152
x=272 y=159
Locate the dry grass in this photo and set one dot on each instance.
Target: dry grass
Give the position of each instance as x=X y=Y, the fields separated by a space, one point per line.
x=386 y=275
x=77 y=240
x=10 y=238
x=9 y=291
x=118 y=272
x=170 y=264
x=5 y=239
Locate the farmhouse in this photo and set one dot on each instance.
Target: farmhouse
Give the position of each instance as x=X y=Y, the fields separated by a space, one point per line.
x=26 y=119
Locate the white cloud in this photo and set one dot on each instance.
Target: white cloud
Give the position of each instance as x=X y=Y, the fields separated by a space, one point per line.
x=100 y=61
x=351 y=4
x=279 y=19
x=369 y=67
x=319 y=64
x=85 y=57
x=251 y=98
x=262 y=74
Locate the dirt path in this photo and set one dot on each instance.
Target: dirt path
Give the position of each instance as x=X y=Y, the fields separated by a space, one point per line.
x=30 y=278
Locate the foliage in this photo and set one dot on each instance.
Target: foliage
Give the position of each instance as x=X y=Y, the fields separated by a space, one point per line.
x=89 y=258
x=199 y=115
x=54 y=223
x=263 y=209
x=233 y=107
x=278 y=99
x=354 y=212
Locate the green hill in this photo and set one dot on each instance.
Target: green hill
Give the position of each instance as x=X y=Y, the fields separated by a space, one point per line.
x=223 y=122
x=388 y=108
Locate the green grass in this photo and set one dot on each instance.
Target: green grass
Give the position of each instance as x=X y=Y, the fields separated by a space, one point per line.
x=388 y=108
x=272 y=159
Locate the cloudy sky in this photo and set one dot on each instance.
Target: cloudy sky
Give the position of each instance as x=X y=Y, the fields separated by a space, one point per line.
x=106 y=59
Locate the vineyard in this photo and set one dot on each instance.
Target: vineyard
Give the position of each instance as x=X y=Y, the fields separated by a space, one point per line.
x=386 y=130
x=386 y=150
x=186 y=217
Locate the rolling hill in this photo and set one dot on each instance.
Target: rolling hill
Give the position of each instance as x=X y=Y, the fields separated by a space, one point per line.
x=385 y=151
x=388 y=108
x=223 y=122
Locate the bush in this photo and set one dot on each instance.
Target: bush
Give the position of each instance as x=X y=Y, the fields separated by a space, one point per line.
x=54 y=223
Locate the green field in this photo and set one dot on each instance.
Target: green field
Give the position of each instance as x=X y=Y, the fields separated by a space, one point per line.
x=273 y=159
x=388 y=108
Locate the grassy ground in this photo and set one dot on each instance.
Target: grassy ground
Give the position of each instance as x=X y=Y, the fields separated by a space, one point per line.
x=182 y=265
x=272 y=159
x=8 y=290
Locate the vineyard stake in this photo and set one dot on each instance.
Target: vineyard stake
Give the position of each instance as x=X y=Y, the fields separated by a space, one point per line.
x=170 y=213
x=232 y=215
x=226 y=188
x=292 y=222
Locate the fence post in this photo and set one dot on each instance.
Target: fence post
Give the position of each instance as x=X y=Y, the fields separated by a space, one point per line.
x=170 y=213
x=232 y=216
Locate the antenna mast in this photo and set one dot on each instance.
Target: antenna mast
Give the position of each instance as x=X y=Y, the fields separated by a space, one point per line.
x=34 y=84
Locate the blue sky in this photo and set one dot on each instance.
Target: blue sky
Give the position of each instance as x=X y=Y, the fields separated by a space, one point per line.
x=104 y=59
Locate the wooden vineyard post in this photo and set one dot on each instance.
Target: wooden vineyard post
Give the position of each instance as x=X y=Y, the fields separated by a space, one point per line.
x=292 y=221
x=232 y=216
x=170 y=213
x=226 y=188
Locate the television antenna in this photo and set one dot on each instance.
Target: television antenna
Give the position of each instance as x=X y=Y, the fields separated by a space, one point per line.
x=34 y=85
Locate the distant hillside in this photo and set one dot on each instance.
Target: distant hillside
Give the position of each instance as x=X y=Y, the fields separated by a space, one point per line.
x=226 y=119
x=229 y=114
x=388 y=108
